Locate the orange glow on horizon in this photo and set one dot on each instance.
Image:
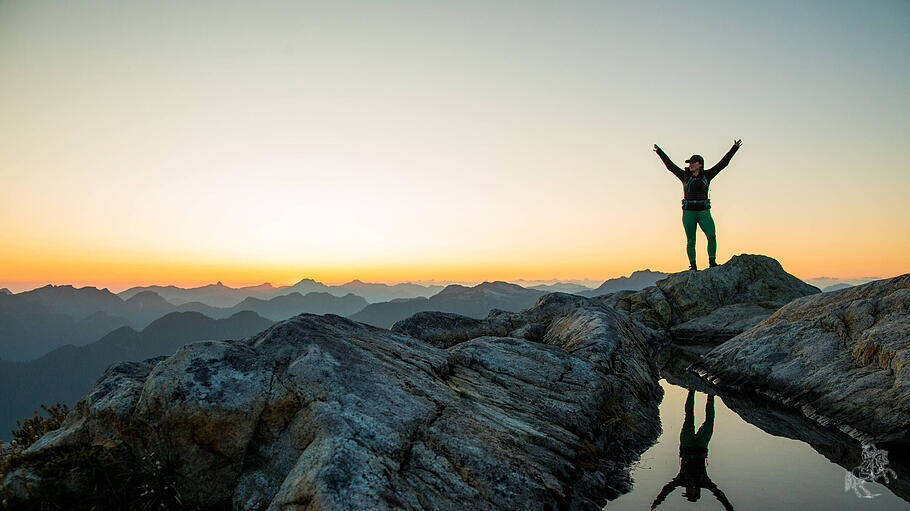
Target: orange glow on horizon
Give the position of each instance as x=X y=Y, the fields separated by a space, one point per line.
x=443 y=141
x=120 y=275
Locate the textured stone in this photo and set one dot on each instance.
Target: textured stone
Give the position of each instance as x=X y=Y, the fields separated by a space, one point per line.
x=840 y=357
x=320 y=412
x=714 y=304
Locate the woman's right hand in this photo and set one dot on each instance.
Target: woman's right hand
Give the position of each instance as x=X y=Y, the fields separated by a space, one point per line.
x=656 y=149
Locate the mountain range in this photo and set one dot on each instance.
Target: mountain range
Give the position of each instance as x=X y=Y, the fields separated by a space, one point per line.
x=68 y=372
x=636 y=281
x=836 y=287
x=561 y=287
x=29 y=329
x=475 y=302
x=284 y=306
x=219 y=295
x=65 y=337
x=34 y=322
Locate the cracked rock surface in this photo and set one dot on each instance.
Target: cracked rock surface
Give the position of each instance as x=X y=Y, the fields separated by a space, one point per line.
x=840 y=357
x=541 y=409
x=321 y=412
x=714 y=304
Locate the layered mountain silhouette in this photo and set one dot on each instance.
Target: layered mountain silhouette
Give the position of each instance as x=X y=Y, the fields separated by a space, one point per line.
x=219 y=295
x=561 y=287
x=834 y=283
x=475 y=302
x=4 y=291
x=214 y=295
x=37 y=321
x=28 y=329
x=383 y=292
x=836 y=287
x=283 y=307
x=77 y=303
x=34 y=322
x=637 y=281
x=68 y=372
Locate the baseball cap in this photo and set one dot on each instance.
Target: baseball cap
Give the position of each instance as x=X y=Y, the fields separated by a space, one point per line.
x=696 y=157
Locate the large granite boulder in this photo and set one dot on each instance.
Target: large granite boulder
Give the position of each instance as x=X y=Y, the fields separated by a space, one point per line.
x=583 y=326
x=839 y=357
x=321 y=412
x=446 y=329
x=715 y=304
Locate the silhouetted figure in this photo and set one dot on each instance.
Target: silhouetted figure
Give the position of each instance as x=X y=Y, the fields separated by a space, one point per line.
x=693 y=453
x=696 y=205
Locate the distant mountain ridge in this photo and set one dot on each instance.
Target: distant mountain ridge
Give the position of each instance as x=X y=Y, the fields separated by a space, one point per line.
x=828 y=283
x=68 y=372
x=28 y=329
x=376 y=292
x=215 y=295
x=64 y=314
x=219 y=295
x=35 y=322
x=475 y=302
x=637 y=281
x=560 y=287
x=315 y=302
x=77 y=303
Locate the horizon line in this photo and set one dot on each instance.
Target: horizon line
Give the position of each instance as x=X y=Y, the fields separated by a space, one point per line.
x=9 y=285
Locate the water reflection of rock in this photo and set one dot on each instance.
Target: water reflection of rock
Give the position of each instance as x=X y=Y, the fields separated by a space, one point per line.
x=778 y=420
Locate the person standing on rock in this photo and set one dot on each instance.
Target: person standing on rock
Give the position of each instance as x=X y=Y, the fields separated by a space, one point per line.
x=696 y=205
x=693 y=454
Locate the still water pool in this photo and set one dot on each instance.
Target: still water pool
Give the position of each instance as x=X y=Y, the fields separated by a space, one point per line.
x=789 y=463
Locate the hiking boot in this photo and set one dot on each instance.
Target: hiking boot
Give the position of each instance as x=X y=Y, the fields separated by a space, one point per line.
x=693 y=267
x=711 y=262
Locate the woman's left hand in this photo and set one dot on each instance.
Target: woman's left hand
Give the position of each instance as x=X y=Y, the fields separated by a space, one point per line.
x=738 y=143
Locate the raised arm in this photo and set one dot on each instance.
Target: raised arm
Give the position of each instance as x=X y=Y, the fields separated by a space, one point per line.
x=666 y=490
x=678 y=172
x=720 y=496
x=713 y=171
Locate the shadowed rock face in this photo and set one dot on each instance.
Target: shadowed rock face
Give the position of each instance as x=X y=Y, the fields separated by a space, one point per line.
x=320 y=412
x=446 y=329
x=840 y=357
x=712 y=305
x=538 y=409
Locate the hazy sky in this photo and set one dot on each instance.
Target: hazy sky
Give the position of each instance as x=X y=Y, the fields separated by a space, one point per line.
x=189 y=142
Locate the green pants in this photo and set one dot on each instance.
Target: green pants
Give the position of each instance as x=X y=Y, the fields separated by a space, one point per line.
x=688 y=437
x=703 y=218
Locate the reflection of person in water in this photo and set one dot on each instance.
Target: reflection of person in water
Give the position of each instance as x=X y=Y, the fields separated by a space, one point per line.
x=693 y=453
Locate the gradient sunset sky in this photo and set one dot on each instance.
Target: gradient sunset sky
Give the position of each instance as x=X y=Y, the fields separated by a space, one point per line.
x=155 y=142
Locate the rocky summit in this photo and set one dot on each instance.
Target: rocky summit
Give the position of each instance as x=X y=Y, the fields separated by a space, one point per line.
x=841 y=357
x=715 y=304
x=320 y=412
x=533 y=410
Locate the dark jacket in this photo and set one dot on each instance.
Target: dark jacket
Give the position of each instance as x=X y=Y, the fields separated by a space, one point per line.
x=695 y=188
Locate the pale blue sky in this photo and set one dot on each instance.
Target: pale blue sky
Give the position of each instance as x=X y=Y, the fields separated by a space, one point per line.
x=451 y=140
